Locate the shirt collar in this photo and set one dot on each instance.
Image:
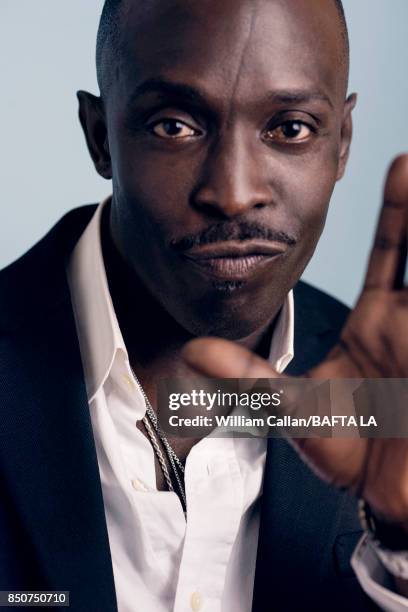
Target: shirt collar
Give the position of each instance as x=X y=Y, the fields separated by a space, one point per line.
x=99 y=334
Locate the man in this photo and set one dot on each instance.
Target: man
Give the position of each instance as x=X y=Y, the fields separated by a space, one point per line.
x=224 y=127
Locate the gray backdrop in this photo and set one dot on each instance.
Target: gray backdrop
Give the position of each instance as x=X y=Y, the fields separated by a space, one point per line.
x=47 y=53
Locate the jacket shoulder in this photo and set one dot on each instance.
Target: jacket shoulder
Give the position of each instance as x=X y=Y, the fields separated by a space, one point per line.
x=315 y=303
x=35 y=281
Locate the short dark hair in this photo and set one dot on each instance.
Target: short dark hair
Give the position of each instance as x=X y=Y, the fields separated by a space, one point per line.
x=344 y=29
x=108 y=46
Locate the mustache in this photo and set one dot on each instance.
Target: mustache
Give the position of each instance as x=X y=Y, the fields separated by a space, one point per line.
x=225 y=231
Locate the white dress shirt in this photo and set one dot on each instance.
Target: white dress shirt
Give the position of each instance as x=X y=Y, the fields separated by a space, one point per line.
x=160 y=562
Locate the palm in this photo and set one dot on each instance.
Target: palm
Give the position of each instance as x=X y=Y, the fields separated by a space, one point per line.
x=373 y=344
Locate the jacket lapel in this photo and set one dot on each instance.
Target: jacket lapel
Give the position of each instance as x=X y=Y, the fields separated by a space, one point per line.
x=47 y=452
x=300 y=514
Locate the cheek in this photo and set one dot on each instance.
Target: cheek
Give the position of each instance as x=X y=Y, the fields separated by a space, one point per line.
x=311 y=185
x=314 y=207
x=152 y=206
x=152 y=183
x=305 y=196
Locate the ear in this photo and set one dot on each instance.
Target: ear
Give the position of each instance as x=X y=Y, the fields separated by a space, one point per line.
x=93 y=121
x=346 y=134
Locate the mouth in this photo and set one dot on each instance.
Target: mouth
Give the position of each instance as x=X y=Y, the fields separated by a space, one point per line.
x=234 y=261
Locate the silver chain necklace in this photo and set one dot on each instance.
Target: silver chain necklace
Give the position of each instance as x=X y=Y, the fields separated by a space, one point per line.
x=154 y=431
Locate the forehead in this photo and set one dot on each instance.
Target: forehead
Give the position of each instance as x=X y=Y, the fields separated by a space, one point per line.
x=238 y=47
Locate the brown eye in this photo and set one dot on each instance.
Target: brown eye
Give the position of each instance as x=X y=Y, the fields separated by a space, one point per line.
x=172 y=128
x=290 y=131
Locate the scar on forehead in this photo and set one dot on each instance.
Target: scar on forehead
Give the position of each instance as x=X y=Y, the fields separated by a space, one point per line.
x=241 y=59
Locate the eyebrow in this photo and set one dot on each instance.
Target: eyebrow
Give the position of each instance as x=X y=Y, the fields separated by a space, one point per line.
x=164 y=88
x=299 y=97
x=168 y=88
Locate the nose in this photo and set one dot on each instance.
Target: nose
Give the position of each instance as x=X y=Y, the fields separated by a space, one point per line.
x=233 y=178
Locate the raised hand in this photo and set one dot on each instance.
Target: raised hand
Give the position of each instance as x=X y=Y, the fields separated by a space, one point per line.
x=373 y=344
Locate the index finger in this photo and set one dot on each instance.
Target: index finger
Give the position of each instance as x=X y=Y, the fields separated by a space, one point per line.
x=388 y=256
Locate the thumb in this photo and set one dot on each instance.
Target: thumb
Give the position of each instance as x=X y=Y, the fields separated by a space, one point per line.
x=218 y=358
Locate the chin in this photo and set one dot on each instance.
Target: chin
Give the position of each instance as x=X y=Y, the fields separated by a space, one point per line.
x=228 y=310
x=228 y=325
x=227 y=287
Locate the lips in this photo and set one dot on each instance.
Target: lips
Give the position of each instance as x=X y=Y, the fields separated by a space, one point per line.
x=234 y=260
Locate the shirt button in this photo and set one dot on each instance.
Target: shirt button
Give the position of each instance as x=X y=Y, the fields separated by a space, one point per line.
x=196 y=602
x=138 y=486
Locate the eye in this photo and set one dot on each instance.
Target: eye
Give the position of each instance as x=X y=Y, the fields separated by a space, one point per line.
x=289 y=131
x=173 y=129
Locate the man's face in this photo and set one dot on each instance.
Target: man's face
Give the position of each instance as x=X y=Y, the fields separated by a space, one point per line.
x=227 y=130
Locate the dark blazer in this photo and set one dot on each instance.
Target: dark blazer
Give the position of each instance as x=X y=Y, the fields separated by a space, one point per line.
x=53 y=533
